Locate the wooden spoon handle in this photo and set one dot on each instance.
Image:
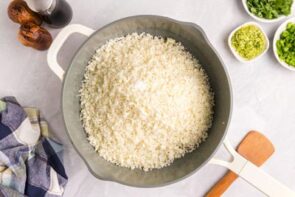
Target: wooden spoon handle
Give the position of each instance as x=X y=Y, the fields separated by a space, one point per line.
x=221 y=186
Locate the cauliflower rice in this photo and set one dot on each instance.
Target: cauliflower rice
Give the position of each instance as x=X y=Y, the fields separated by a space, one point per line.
x=145 y=101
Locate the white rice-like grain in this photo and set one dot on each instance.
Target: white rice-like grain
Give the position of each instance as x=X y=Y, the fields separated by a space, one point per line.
x=145 y=101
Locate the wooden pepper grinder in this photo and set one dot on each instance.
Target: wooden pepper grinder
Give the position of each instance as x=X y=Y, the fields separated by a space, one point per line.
x=56 y=13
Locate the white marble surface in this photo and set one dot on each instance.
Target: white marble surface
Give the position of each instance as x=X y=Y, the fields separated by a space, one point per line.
x=264 y=92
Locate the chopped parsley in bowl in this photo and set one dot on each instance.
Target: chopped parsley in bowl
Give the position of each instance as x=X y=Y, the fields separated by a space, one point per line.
x=284 y=44
x=270 y=9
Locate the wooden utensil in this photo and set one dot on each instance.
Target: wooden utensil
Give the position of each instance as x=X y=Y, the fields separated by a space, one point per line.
x=256 y=148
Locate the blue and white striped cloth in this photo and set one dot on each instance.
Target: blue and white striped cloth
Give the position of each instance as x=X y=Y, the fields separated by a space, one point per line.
x=30 y=162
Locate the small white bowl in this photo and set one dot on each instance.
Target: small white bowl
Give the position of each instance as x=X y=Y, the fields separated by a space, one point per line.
x=267 y=20
x=241 y=59
x=278 y=33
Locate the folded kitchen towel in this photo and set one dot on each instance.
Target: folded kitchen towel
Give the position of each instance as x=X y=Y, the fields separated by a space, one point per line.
x=30 y=162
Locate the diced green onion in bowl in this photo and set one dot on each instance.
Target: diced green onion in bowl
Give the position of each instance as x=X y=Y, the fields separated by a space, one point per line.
x=284 y=44
x=269 y=10
x=248 y=42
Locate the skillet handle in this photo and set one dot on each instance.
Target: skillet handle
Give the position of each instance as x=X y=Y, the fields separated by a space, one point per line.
x=253 y=174
x=58 y=43
x=264 y=182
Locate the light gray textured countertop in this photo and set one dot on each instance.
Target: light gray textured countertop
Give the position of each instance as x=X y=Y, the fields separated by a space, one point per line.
x=264 y=92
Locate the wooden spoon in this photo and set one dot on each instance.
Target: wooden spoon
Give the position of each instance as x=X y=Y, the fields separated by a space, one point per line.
x=256 y=148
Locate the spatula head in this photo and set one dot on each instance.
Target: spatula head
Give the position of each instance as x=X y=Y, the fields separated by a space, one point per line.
x=256 y=148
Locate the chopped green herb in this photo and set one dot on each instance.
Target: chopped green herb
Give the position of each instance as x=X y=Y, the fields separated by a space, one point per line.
x=286 y=45
x=2 y=105
x=270 y=9
x=249 y=42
